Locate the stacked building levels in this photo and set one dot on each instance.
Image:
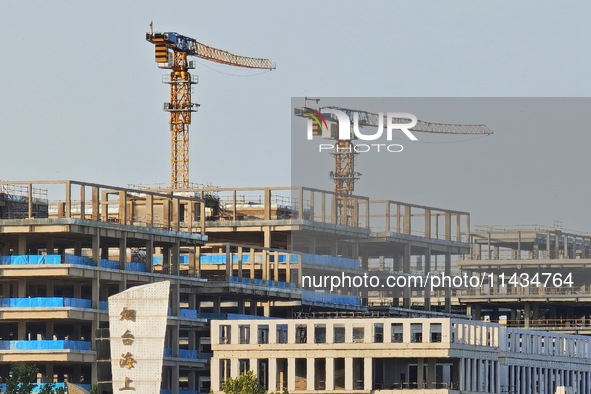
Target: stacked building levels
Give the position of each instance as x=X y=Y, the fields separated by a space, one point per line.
x=66 y=246
x=536 y=277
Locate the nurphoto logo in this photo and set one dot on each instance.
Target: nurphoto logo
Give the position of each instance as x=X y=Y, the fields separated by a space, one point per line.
x=338 y=125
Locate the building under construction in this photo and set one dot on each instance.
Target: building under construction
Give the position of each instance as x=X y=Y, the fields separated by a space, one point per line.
x=237 y=259
x=229 y=253
x=241 y=253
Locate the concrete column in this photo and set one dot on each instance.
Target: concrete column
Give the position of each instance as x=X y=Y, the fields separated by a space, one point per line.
x=431 y=374
x=22 y=331
x=174 y=371
x=406 y=269
x=96 y=248
x=310 y=372
x=368 y=373
x=420 y=369
x=215 y=374
x=462 y=377
x=122 y=250
x=267 y=237
x=526 y=314
x=468 y=374
x=150 y=255
x=291 y=374
x=474 y=375
x=273 y=386
x=175 y=258
x=348 y=373
x=447 y=270
x=22 y=244
x=21 y=289
x=427 y=292
x=193 y=381
x=254 y=365
x=329 y=373
x=234 y=368
x=48 y=330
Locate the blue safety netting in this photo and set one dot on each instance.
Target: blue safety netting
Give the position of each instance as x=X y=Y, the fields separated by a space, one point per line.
x=188 y=313
x=135 y=267
x=45 y=302
x=185 y=353
x=342 y=262
x=110 y=264
x=220 y=258
x=79 y=260
x=157 y=260
x=30 y=259
x=39 y=386
x=261 y=282
x=45 y=345
x=103 y=305
x=313 y=296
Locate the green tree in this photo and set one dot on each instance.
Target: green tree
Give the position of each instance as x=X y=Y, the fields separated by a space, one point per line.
x=47 y=388
x=22 y=378
x=247 y=383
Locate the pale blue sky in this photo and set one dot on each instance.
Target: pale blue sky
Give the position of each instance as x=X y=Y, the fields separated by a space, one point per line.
x=81 y=97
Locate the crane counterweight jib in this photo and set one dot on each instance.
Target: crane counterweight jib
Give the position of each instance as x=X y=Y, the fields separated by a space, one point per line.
x=192 y=47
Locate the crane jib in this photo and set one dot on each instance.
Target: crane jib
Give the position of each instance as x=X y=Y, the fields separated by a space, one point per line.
x=192 y=47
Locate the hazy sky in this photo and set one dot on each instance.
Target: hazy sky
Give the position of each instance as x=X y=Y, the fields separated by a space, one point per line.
x=81 y=96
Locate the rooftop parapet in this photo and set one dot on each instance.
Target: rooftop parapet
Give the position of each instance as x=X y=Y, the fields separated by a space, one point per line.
x=112 y=204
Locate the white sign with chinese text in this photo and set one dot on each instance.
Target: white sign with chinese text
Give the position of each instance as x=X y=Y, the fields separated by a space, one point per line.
x=137 y=323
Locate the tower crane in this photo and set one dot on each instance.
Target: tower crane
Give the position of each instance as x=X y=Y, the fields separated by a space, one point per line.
x=172 y=51
x=344 y=175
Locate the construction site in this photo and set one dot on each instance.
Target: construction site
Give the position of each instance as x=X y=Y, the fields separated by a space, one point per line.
x=237 y=259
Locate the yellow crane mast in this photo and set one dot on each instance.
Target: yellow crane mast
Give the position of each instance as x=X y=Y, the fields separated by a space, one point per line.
x=172 y=51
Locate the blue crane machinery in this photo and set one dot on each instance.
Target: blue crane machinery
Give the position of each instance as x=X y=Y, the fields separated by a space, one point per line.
x=171 y=52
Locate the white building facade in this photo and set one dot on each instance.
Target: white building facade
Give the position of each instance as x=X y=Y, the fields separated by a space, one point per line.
x=393 y=355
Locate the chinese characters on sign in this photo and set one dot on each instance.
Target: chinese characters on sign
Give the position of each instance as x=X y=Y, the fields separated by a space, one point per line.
x=127 y=386
x=127 y=314
x=127 y=338
x=137 y=326
x=127 y=361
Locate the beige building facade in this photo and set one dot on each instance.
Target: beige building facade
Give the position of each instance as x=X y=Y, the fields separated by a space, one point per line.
x=394 y=355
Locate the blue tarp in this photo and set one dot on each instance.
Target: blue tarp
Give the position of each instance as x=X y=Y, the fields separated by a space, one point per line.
x=260 y=282
x=45 y=302
x=39 y=386
x=313 y=296
x=342 y=262
x=220 y=258
x=188 y=313
x=30 y=259
x=135 y=267
x=114 y=265
x=157 y=260
x=183 y=353
x=79 y=260
x=45 y=345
